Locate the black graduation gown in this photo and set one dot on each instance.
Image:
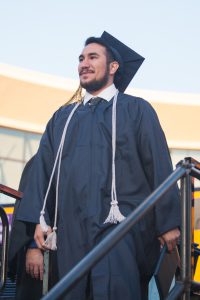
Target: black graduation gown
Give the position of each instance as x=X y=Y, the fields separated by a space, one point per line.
x=21 y=235
x=142 y=163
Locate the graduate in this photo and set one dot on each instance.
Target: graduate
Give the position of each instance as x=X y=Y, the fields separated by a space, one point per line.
x=23 y=253
x=98 y=159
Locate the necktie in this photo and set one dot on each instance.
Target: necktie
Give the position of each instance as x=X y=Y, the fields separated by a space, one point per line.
x=93 y=102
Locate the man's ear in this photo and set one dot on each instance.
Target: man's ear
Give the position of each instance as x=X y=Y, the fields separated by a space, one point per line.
x=114 y=65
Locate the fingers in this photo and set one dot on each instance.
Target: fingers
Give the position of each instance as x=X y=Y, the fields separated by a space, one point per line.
x=34 y=263
x=41 y=271
x=171 y=238
x=39 y=237
x=162 y=241
x=171 y=245
x=44 y=245
x=34 y=271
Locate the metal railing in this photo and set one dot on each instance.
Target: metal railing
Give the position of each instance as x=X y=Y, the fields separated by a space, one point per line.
x=5 y=232
x=5 y=235
x=184 y=170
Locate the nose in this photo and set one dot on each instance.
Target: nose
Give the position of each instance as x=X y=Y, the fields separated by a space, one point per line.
x=84 y=63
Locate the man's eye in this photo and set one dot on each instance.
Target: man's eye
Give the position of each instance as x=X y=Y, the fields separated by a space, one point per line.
x=93 y=57
x=80 y=58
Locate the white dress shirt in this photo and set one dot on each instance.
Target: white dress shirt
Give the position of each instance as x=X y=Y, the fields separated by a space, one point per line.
x=106 y=94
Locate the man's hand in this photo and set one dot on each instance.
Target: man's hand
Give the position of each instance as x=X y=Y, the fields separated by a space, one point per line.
x=35 y=263
x=171 y=238
x=39 y=237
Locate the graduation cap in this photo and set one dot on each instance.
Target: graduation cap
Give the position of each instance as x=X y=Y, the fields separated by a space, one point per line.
x=129 y=61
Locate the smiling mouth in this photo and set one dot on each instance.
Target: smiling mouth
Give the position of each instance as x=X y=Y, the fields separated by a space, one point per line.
x=86 y=72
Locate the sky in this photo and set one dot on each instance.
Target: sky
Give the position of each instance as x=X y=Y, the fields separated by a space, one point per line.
x=48 y=36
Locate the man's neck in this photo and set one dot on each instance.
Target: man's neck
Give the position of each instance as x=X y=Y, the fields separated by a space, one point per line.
x=95 y=93
x=105 y=94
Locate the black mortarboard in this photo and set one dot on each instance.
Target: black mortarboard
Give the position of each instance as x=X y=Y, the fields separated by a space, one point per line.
x=129 y=61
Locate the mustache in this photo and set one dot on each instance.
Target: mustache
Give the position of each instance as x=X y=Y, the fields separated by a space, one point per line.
x=85 y=70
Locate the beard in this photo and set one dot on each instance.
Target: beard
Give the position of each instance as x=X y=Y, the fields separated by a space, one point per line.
x=96 y=85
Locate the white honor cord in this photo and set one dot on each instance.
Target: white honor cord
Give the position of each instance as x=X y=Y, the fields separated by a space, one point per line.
x=114 y=215
x=58 y=159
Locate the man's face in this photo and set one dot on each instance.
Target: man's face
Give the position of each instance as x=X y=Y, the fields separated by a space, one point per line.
x=93 y=68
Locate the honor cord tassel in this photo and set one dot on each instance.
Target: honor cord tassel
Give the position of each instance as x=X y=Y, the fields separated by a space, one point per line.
x=114 y=215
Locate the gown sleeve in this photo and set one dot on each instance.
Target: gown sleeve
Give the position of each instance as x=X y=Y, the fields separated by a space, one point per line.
x=157 y=166
x=34 y=193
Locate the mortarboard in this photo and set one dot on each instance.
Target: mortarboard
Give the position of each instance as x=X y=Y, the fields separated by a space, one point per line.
x=129 y=61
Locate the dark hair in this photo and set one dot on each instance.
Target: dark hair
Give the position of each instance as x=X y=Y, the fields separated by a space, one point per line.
x=109 y=54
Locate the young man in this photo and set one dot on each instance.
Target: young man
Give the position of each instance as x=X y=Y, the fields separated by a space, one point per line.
x=24 y=259
x=97 y=161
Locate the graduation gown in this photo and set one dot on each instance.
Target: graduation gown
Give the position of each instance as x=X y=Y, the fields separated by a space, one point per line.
x=142 y=163
x=21 y=235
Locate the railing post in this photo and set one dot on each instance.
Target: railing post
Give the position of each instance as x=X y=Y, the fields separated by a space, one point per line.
x=5 y=232
x=4 y=251
x=186 y=234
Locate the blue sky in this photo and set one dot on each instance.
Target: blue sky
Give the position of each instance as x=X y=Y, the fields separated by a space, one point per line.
x=48 y=36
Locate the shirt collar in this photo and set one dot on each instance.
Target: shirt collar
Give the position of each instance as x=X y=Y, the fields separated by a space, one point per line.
x=106 y=94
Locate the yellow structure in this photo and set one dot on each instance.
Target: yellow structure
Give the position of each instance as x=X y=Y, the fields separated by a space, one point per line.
x=197 y=231
x=197 y=240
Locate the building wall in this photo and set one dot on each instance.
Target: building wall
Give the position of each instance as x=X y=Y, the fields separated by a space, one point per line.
x=28 y=99
x=16 y=148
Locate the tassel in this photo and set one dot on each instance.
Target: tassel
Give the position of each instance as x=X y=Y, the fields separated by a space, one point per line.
x=43 y=223
x=115 y=215
x=51 y=240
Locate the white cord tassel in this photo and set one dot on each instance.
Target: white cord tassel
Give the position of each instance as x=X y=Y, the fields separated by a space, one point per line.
x=51 y=239
x=114 y=215
x=43 y=223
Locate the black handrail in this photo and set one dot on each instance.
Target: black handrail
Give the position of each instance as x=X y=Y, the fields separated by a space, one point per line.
x=10 y=192
x=4 y=257
x=5 y=232
x=4 y=251
x=186 y=241
x=74 y=276
x=185 y=169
